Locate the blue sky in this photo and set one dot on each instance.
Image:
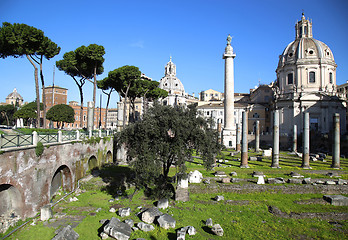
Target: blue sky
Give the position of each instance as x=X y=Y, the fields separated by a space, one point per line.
x=193 y=32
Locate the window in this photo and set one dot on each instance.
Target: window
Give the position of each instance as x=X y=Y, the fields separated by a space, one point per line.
x=330 y=77
x=314 y=123
x=84 y=118
x=256 y=115
x=312 y=77
x=208 y=113
x=290 y=78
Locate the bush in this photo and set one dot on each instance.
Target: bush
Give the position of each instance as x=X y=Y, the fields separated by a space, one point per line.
x=39 y=149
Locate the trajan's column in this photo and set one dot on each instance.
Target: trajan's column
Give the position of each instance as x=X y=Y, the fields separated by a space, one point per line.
x=229 y=131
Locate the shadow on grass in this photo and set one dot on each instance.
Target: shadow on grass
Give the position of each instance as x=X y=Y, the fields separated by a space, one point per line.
x=118 y=179
x=172 y=236
x=101 y=229
x=207 y=229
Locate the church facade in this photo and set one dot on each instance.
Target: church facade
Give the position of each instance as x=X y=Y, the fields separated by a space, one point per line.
x=306 y=82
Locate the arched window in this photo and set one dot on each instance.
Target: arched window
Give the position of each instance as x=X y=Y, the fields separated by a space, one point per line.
x=312 y=77
x=290 y=78
x=330 y=77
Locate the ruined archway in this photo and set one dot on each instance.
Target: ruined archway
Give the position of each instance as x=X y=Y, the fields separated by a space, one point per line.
x=93 y=166
x=109 y=157
x=11 y=206
x=61 y=179
x=92 y=163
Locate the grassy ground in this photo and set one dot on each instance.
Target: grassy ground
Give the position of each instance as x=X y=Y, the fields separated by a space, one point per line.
x=242 y=216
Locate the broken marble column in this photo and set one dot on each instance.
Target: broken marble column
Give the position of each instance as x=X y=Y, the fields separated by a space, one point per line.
x=117 y=229
x=294 y=139
x=257 y=136
x=275 y=148
x=46 y=212
x=238 y=137
x=244 y=161
x=90 y=120
x=305 y=145
x=166 y=221
x=336 y=142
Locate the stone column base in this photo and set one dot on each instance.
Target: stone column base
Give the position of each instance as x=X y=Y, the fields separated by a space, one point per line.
x=229 y=138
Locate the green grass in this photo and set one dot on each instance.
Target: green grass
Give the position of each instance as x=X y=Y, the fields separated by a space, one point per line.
x=246 y=216
x=39 y=130
x=244 y=221
x=287 y=162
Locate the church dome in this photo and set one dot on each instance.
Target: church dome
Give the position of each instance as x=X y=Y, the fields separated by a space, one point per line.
x=306 y=49
x=306 y=64
x=14 y=98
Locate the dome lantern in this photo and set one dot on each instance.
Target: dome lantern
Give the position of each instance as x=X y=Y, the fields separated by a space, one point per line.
x=303 y=28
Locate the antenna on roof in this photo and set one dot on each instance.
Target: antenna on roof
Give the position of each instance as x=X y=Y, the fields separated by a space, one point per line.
x=54 y=71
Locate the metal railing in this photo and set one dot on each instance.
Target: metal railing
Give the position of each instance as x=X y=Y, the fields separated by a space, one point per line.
x=69 y=136
x=21 y=140
x=48 y=137
x=18 y=140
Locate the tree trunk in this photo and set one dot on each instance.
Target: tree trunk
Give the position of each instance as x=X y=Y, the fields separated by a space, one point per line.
x=132 y=113
x=81 y=108
x=125 y=106
x=37 y=91
x=94 y=91
x=107 y=107
x=43 y=95
x=5 y=115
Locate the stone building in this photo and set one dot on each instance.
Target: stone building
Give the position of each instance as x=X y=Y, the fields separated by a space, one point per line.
x=111 y=122
x=14 y=98
x=343 y=90
x=211 y=95
x=257 y=110
x=306 y=82
x=260 y=102
x=99 y=117
x=55 y=95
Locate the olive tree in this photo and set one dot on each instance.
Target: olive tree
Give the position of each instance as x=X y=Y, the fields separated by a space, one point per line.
x=167 y=136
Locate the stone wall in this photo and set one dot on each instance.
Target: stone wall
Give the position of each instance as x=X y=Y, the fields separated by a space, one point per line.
x=28 y=182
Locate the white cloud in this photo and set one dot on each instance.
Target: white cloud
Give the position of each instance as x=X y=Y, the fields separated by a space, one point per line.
x=138 y=44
